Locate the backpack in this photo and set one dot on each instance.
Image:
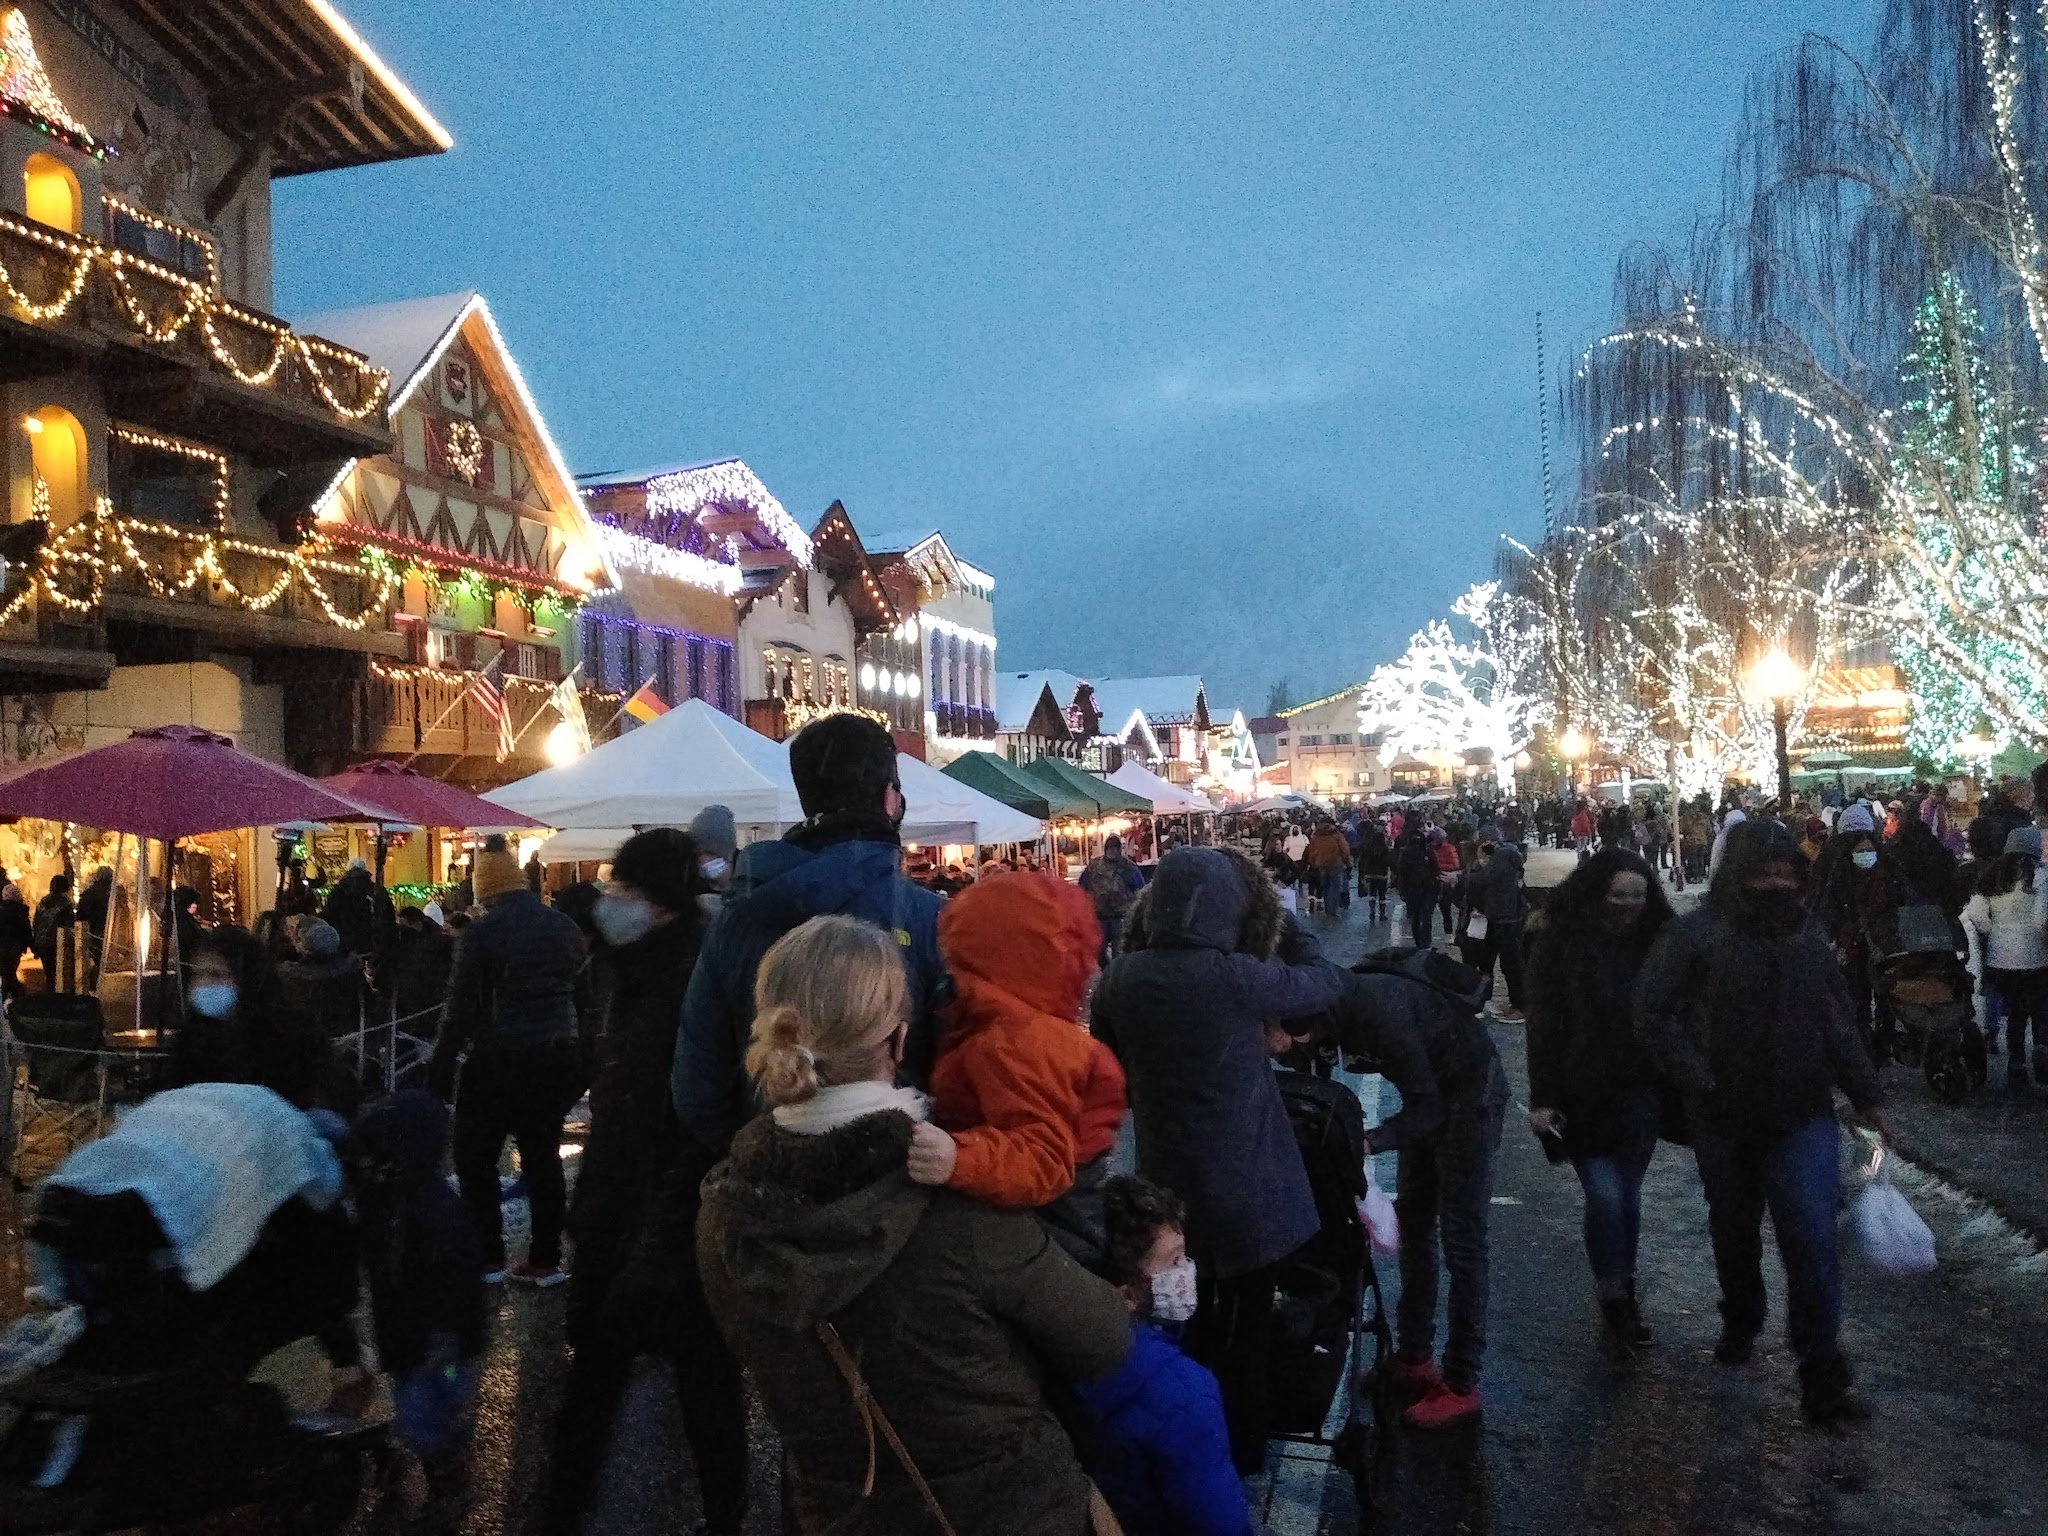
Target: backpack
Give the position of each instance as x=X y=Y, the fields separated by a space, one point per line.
x=1450 y=978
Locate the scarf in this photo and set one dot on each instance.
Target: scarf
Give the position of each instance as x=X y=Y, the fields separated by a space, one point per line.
x=867 y=826
x=840 y=1104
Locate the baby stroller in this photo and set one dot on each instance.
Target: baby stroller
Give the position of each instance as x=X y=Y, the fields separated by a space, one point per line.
x=1330 y=1324
x=1920 y=978
x=127 y=1403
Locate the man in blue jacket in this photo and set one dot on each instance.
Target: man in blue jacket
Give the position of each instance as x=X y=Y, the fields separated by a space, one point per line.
x=845 y=858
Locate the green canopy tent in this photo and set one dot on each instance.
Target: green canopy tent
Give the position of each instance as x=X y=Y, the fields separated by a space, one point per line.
x=1101 y=796
x=999 y=781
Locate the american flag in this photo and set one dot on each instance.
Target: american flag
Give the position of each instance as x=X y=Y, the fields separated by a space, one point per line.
x=491 y=699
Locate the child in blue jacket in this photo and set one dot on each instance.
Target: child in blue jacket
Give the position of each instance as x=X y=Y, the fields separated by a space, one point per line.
x=1162 y=1454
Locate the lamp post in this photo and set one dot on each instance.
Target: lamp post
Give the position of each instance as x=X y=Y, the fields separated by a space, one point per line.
x=1573 y=745
x=1780 y=679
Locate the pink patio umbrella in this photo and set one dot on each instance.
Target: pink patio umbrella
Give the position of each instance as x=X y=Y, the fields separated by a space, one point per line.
x=166 y=783
x=401 y=794
x=169 y=782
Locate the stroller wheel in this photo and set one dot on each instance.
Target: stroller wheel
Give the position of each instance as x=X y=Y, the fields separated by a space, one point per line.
x=1949 y=1076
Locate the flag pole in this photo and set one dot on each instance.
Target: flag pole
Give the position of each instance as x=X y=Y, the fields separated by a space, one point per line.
x=497 y=660
x=620 y=714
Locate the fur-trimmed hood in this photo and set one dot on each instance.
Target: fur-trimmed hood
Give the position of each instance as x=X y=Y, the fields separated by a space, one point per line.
x=1188 y=905
x=804 y=1224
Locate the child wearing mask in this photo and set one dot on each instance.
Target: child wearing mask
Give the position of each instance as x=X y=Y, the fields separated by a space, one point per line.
x=1027 y=1102
x=1162 y=1454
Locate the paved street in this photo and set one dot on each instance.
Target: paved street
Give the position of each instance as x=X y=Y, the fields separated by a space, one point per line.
x=1575 y=1439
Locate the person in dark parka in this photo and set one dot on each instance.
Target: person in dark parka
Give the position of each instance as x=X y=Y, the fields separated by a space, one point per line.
x=1590 y=1083
x=1742 y=1007
x=240 y=1026
x=1210 y=959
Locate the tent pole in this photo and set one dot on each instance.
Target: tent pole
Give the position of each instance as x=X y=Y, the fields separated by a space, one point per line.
x=163 y=995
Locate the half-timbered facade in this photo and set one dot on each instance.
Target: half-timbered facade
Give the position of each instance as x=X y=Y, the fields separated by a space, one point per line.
x=956 y=627
x=475 y=521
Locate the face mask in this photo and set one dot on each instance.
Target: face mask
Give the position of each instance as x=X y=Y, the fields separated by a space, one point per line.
x=622 y=919
x=1173 y=1293
x=714 y=869
x=213 y=999
x=1864 y=858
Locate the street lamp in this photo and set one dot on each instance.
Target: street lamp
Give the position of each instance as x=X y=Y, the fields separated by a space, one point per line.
x=1977 y=749
x=1780 y=679
x=1573 y=745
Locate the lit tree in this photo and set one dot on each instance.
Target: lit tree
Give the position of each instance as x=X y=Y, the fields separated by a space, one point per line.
x=1448 y=693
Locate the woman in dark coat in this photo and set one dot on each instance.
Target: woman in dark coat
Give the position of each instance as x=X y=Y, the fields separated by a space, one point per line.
x=1590 y=1085
x=240 y=1028
x=1209 y=960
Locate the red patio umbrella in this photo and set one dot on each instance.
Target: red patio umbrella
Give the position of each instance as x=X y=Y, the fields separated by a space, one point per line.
x=401 y=794
x=168 y=782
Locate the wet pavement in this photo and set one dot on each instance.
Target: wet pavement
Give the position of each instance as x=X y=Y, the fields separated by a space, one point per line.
x=1576 y=1437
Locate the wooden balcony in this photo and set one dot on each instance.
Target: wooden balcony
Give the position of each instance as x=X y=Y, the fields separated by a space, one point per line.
x=433 y=716
x=179 y=357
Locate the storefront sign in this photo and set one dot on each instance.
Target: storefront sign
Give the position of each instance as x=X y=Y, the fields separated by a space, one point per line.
x=130 y=65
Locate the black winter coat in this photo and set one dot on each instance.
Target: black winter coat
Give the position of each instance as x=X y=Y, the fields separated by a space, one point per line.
x=632 y=1128
x=1418 y=1040
x=516 y=982
x=360 y=910
x=1754 y=1029
x=1187 y=1016
x=1584 y=1056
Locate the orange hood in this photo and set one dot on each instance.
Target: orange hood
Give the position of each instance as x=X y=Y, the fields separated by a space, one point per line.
x=1020 y=939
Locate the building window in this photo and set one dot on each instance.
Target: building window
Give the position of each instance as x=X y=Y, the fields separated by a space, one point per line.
x=694 y=654
x=1341 y=739
x=52 y=192
x=57 y=454
x=800 y=592
x=1311 y=741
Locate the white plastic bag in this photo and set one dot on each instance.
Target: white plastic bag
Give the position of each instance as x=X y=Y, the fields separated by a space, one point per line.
x=1891 y=1231
x=1376 y=1210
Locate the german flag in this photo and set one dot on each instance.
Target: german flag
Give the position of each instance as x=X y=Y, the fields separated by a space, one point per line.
x=646 y=705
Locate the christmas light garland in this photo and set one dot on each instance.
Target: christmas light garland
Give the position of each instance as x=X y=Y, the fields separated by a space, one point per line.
x=135 y=437
x=195 y=302
x=630 y=552
x=26 y=94
x=688 y=494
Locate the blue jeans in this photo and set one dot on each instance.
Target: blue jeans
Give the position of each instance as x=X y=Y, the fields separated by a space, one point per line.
x=1613 y=1182
x=1336 y=889
x=432 y=1406
x=1112 y=937
x=1798 y=1178
x=1443 y=1189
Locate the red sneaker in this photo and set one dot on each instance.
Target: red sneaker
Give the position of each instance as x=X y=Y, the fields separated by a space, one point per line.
x=1444 y=1407
x=1414 y=1379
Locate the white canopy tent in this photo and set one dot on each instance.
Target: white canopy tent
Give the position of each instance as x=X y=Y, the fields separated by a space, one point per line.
x=1168 y=799
x=1295 y=801
x=663 y=773
x=940 y=809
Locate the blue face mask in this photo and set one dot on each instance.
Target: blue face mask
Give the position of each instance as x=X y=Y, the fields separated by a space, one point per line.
x=213 y=999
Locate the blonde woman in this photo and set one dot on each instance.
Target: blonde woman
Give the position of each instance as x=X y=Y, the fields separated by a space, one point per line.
x=815 y=1219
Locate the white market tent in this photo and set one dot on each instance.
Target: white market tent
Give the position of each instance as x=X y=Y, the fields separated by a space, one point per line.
x=940 y=809
x=1388 y=797
x=663 y=773
x=1288 y=802
x=717 y=761
x=1167 y=799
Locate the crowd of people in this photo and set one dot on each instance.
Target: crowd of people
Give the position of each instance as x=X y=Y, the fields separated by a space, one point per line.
x=853 y=1138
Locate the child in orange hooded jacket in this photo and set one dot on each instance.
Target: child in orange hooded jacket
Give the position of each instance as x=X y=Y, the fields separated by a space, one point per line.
x=1027 y=1102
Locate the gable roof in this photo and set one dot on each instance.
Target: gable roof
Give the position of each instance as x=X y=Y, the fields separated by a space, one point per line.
x=243 y=52
x=1019 y=697
x=840 y=553
x=408 y=337
x=1329 y=698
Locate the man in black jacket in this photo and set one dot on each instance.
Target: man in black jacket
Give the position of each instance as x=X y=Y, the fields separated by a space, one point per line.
x=635 y=1292
x=1454 y=1097
x=1741 y=1006
x=513 y=994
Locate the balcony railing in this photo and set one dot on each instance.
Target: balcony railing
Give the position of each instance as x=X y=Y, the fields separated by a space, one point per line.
x=75 y=284
x=960 y=720
x=434 y=712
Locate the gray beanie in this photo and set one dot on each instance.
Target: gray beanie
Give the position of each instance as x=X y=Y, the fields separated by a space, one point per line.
x=714 y=831
x=2025 y=840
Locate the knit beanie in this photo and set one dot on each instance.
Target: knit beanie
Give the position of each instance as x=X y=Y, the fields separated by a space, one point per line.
x=716 y=835
x=1856 y=818
x=497 y=871
x=2025 y=840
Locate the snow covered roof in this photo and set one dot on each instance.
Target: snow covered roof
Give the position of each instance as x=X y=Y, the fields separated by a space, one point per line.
x=1161 y=700
x=1017 y=699
x=402 y=338
x=687 y=491
x=897 y=541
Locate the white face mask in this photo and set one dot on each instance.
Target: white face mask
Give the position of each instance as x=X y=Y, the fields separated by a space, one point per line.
x=213 y=999
x=623 y=919
x=1864 y=858
x=714 y=869
x=1173 y=1293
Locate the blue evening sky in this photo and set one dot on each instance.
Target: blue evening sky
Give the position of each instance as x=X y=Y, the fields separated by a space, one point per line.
x=1207 y=328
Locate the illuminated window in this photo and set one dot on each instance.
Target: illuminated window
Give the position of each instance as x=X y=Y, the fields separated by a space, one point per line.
x=57 y=450
x=53 y=195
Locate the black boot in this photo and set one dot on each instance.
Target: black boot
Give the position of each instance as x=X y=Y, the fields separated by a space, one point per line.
x=1826 y=1396
x=1736 y=1345
x=1625 y=1322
